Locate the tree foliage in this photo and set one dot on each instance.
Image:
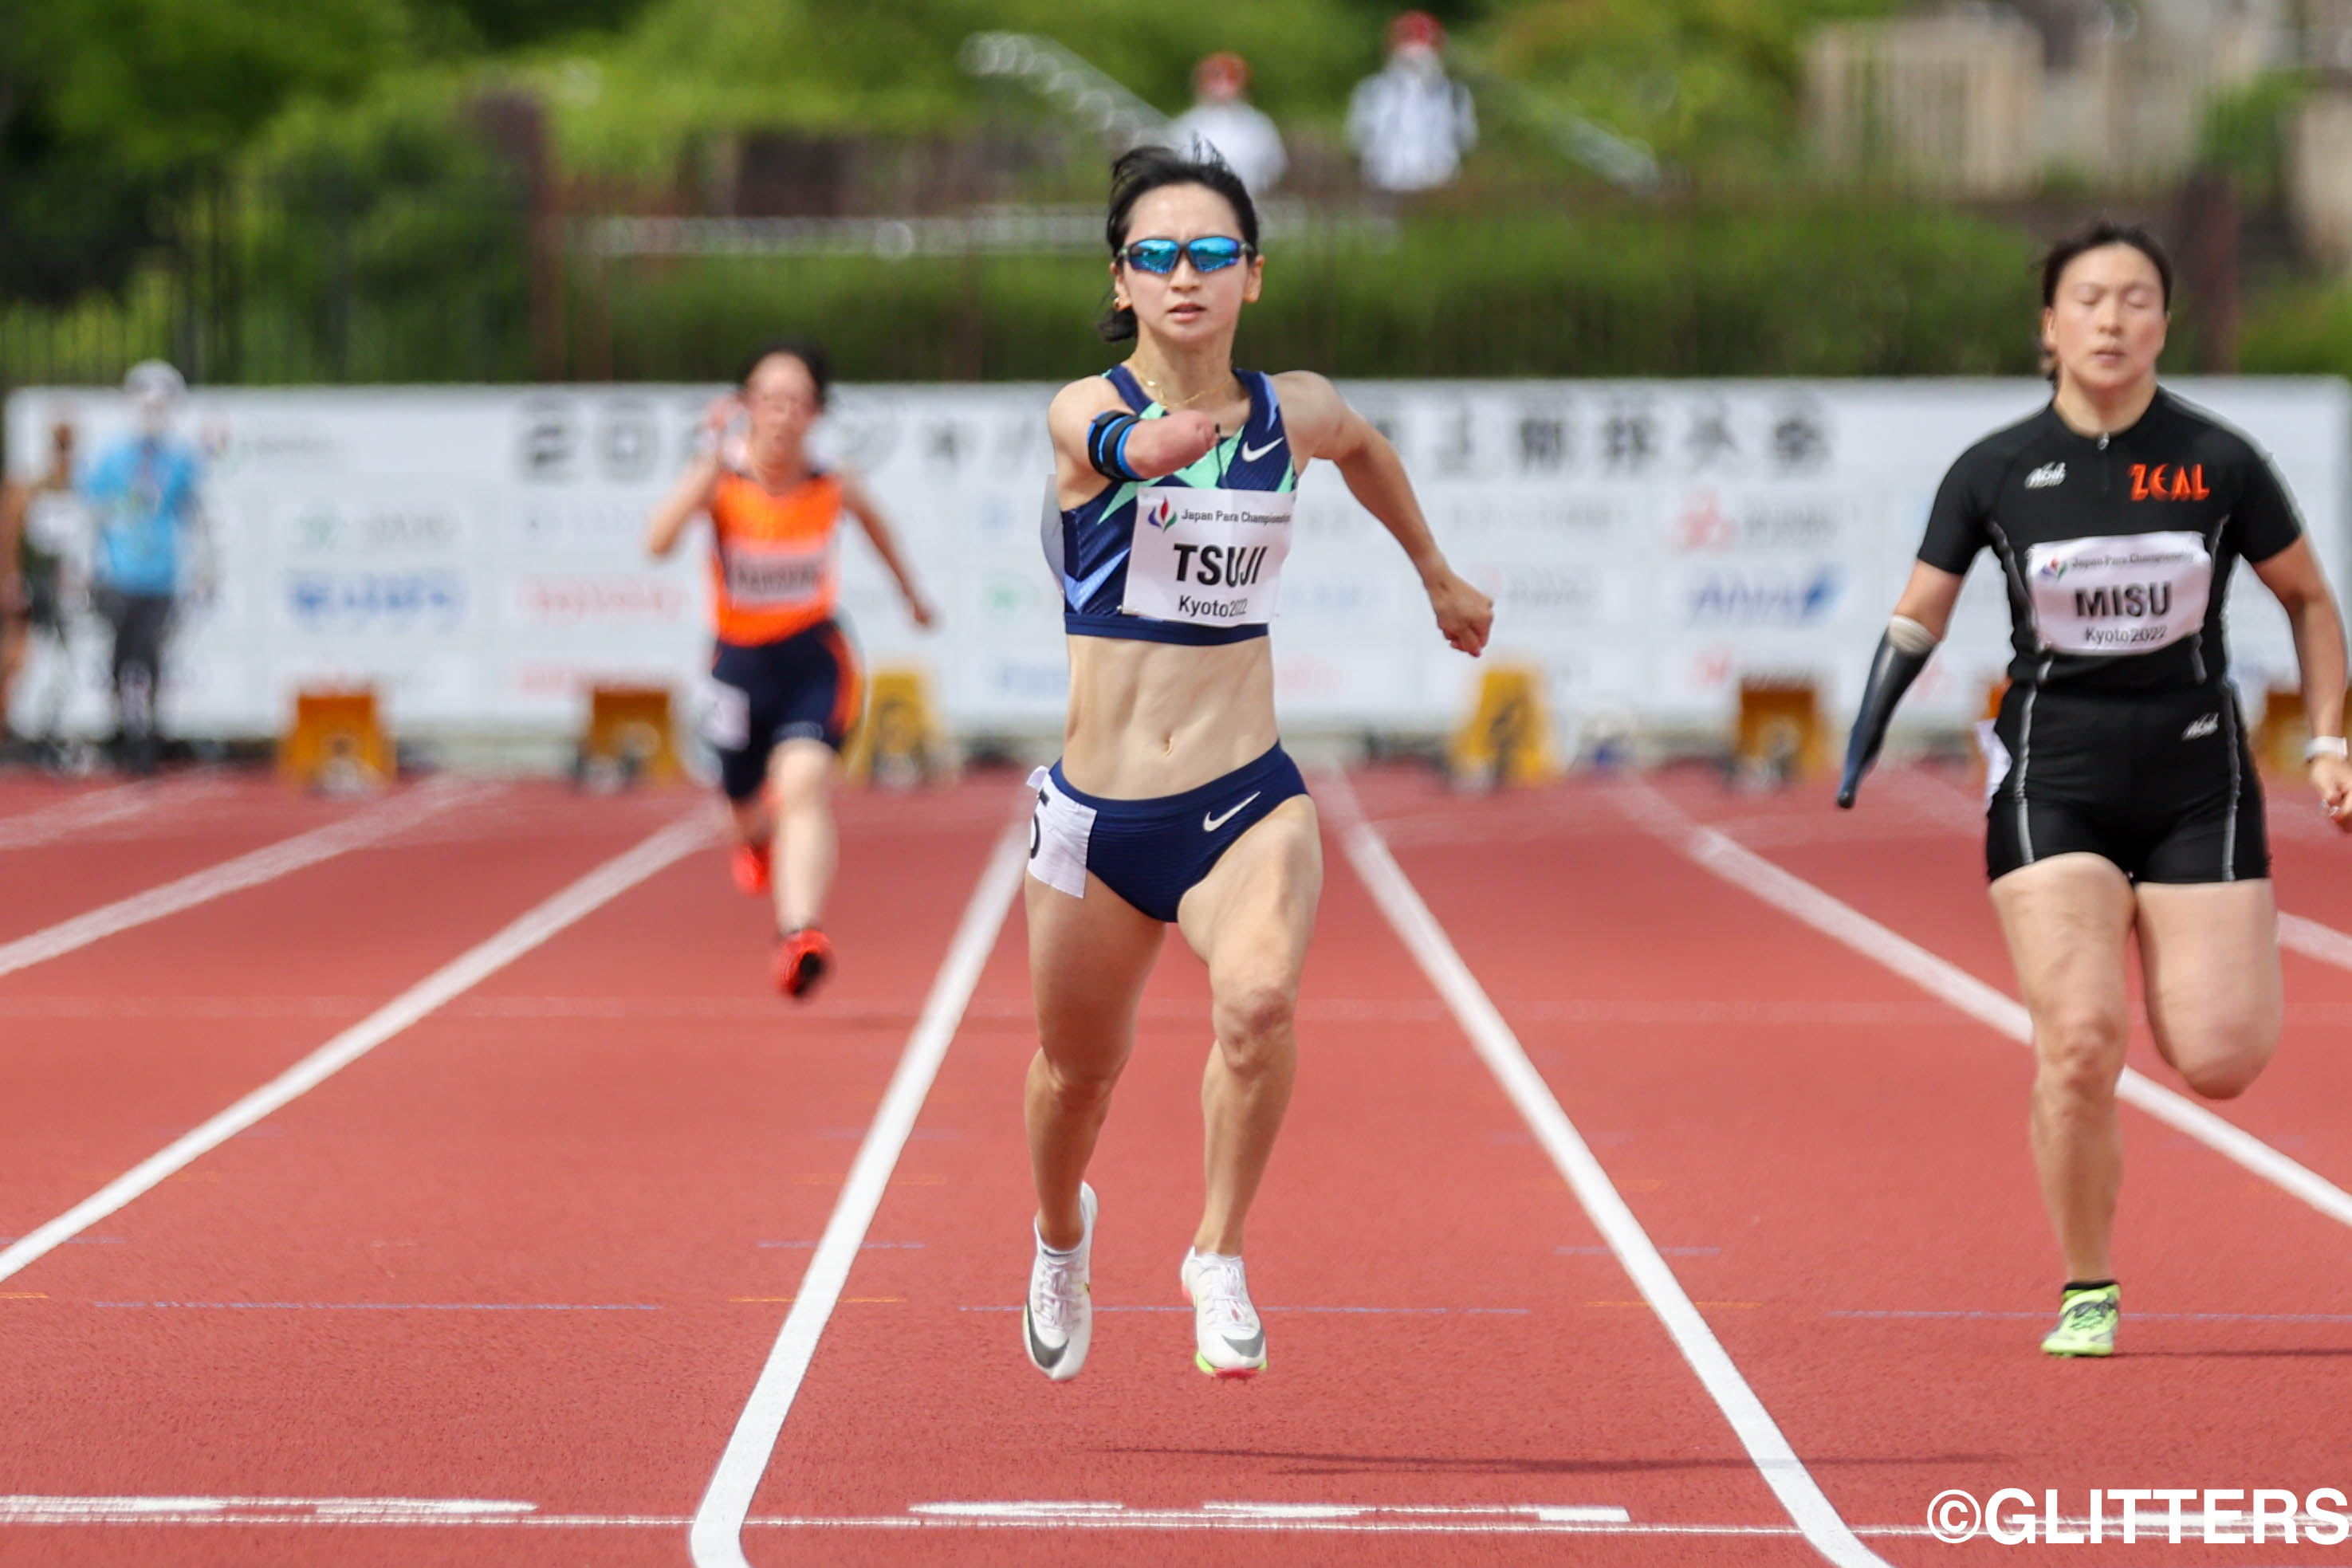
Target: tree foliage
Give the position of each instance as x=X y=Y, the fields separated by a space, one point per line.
x=689 y=68
x=1706 y=82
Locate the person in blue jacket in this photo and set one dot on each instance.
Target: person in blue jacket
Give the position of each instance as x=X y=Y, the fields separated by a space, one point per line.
x=144 y=490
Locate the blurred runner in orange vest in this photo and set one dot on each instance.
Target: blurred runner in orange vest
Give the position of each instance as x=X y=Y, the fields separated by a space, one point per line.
x=785 y=685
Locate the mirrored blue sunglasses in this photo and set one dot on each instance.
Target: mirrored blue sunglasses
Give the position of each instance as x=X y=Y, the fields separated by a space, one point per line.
x=1213 y=254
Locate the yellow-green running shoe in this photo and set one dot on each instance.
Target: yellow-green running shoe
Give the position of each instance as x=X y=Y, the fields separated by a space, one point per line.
x=2086 y=1323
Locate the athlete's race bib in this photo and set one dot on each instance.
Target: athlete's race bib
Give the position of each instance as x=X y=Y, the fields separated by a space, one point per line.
x=1209 y=557
x=2121 y=593
x=56 y=523
x=762 y=575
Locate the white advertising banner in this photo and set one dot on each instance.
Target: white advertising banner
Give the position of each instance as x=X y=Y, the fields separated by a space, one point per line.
x=475 y=553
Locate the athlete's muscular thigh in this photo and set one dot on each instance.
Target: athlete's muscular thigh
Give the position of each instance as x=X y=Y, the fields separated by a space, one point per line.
x=2066 y=919
x=1251 y=917
x=2214 y=995
x=1088 y=960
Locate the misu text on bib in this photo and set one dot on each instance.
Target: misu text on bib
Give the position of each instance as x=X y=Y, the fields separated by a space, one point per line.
x=2119 y=593
x=1209 y=557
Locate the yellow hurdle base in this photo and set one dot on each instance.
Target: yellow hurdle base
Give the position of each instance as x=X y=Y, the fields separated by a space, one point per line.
x=630 y=739
x=1780 y=736
x=336 y=743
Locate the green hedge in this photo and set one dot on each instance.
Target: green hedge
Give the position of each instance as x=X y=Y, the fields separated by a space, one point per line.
x=1843 y=291
x=419 y=273
x=2302 y=329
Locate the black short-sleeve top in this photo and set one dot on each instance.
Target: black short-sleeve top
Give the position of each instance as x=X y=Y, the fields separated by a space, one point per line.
x=2116 y=549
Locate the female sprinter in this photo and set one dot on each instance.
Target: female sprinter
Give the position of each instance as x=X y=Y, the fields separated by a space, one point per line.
x=1173 y=801
x=784 y=685
x=2122 y=798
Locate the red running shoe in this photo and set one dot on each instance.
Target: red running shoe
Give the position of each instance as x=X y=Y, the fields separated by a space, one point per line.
x=803 y=958
x=751 y=866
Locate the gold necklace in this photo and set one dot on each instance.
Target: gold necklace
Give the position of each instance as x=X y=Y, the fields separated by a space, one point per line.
x=1186 y=402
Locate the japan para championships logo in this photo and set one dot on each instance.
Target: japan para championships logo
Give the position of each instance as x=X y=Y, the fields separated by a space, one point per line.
x=1161 y=517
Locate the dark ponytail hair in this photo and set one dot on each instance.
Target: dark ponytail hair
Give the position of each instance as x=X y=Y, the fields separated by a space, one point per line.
x=807 y=350
x=1146 y=168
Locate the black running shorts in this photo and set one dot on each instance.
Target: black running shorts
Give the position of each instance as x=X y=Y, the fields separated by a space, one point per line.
x=2160 y=783
x=806 y=687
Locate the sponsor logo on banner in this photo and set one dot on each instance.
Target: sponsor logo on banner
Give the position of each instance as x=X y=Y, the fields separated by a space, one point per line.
x=572 y=599
x=585 y=522
x=376 y=602
x=1761 y=596
x=1543 y=592
x=324 y=528
x=1758 y=523
x=1018 y=678
x=249 y=445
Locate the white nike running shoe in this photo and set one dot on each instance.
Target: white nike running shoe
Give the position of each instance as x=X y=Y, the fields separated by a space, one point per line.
x=1059 y=1321
x=1228 y=1339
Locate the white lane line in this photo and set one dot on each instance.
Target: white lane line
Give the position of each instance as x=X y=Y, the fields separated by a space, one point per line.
x=1527 y=1519
x=229 y=1510
x=575 y=903
x=265 y=864
x=1777 y=1462
x=2313 y=940
x=1940 y=977
x=96 y=809
x=716 y=1539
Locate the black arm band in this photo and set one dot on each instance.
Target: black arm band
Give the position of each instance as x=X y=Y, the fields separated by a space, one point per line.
x=1891 y=675
x=1106 y=445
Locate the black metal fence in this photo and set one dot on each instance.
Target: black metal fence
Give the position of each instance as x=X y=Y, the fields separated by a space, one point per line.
x=305 y=275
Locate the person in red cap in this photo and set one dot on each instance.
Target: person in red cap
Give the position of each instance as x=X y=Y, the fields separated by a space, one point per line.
x=1411 y=124
x=1222 y=119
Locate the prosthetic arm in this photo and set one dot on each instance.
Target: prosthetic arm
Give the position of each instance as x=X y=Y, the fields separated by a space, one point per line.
x=1902 y=652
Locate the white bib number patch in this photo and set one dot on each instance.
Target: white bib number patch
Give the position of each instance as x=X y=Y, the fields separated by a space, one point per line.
x=2120 y=593
x=776 y=576
x=1209 y=557
x=1060 y=832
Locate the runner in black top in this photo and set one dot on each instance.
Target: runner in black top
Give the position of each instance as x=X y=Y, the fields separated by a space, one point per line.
x=2121 y=794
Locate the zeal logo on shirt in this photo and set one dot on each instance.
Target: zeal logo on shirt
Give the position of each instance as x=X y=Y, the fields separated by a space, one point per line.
x=2120 y=593
x=1209 y=557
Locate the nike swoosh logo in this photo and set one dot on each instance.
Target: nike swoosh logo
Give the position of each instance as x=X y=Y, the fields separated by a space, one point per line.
x=1251 y=453
x=1251 y=1347
x=1049 y=1358
x=1211 y=824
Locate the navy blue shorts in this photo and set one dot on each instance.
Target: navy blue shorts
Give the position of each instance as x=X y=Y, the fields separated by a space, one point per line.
x=1150 y=853
x=805 y=686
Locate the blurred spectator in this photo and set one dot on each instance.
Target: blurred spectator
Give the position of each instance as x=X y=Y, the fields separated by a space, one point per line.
x=1223 y=117
x=144 y=488
x=1411 y=123
x=36 y=532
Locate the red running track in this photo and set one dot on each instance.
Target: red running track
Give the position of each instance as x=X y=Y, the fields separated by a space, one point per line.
x=532 y=1251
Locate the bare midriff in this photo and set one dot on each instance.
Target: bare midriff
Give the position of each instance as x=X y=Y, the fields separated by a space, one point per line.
x=1160 y=718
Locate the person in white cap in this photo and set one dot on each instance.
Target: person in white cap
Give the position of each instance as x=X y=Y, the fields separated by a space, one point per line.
x=144 y=490
x=1222 y=119
x=1411 y=123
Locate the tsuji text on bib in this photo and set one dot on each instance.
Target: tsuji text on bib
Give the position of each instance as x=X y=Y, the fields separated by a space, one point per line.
x=1209 y=557
x=2120 y=593
x=768 y=575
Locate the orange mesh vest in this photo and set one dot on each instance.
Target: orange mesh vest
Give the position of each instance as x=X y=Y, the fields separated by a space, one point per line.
x=772 y=567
